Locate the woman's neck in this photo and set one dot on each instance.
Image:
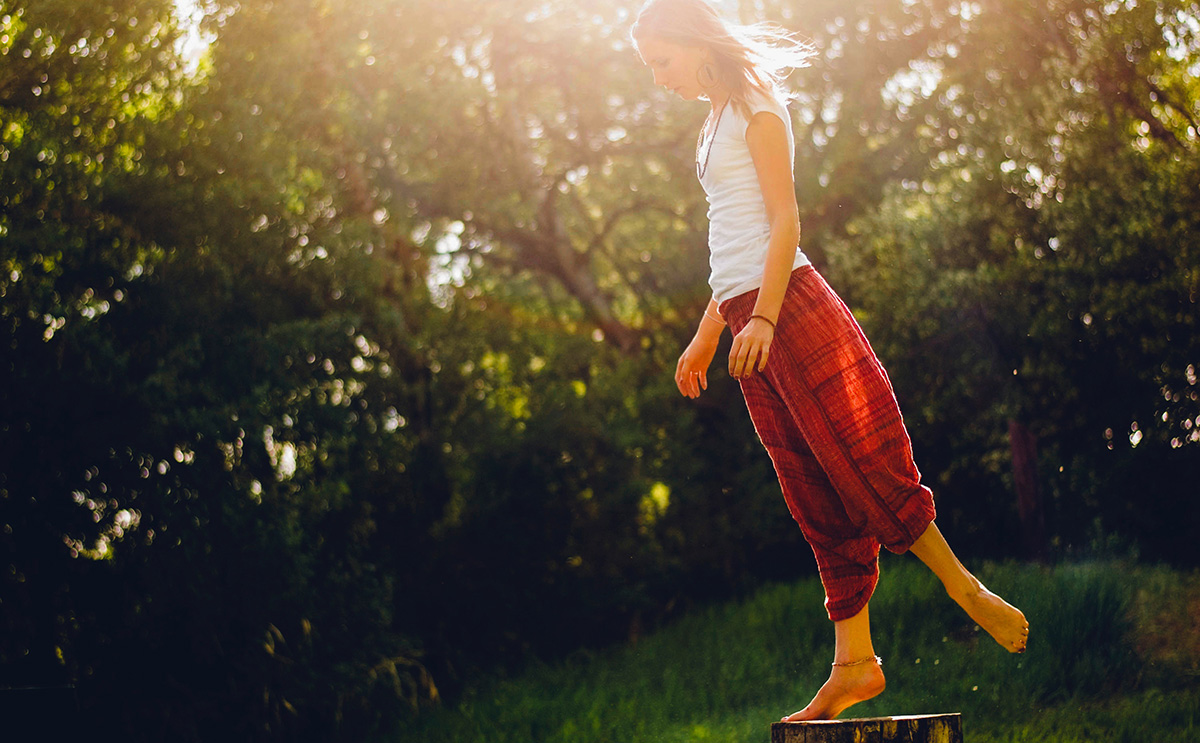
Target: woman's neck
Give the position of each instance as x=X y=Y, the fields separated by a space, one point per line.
x=718 y=98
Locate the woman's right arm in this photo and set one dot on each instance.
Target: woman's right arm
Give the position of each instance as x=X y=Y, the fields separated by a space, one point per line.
x=691 y=373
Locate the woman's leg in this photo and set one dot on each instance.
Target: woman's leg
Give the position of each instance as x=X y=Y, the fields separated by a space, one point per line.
x=825 y=411
x=1002 y=621
x=833 y=388
x=856 y=675
x=848 y=565
x=823 y=389
x=848 y=560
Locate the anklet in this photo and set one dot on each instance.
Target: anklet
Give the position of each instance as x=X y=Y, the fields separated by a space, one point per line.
x=868 y=659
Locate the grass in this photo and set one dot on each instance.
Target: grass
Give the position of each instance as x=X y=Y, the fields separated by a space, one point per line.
x=1114 y=655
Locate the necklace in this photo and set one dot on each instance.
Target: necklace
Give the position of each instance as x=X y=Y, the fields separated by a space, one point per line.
x=702 y=169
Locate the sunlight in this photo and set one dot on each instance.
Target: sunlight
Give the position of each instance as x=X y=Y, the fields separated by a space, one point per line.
x=193 y=42
x=653 y=505
x=919 y=81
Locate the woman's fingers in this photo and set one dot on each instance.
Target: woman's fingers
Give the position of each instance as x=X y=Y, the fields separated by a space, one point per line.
x=682 y=383
x=746 y=355
x=690 y=381
x=762 y=357
x=736 y=356
x=757 y=351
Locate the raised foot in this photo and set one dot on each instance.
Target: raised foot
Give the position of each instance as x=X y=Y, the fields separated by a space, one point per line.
x=847 y=685
x=1003 y=621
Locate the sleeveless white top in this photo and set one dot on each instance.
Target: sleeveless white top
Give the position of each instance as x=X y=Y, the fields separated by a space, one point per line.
x=738 y=230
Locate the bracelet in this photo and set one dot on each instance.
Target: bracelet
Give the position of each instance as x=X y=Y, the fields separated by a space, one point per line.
x=718 y=321
x=764 y=317
x=869 y=659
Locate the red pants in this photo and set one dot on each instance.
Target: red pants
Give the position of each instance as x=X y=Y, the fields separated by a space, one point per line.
x=826 y=413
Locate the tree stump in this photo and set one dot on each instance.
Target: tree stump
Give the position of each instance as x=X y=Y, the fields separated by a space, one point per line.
x=900 y=729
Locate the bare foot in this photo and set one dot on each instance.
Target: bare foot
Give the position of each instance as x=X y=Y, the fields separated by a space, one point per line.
x=1004 y=622
x=847 y=685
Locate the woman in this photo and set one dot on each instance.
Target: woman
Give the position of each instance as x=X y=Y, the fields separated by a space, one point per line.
x=817 y=395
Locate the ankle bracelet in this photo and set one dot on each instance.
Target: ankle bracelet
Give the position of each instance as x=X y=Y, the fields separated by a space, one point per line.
x=868 y=659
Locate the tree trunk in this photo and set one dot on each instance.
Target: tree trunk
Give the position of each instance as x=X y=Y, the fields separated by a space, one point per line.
x=900 y=729
x=1029 y=498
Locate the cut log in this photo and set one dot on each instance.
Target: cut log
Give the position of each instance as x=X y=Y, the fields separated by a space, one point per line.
x=899 y=729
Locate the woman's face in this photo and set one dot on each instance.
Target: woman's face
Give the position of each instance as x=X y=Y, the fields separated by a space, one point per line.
x=675 y=67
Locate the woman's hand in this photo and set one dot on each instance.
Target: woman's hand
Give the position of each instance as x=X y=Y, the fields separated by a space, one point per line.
x=691 y=373
x=750 y=348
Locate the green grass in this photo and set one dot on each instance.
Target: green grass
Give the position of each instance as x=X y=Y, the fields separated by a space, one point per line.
x=1096 y=669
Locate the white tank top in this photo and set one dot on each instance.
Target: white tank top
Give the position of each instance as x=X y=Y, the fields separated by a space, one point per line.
x=738 y=230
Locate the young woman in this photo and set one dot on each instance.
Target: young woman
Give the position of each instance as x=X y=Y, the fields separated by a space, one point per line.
x=819 y=398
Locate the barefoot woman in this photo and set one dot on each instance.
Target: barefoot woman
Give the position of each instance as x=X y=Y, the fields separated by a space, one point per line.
x=819 y=399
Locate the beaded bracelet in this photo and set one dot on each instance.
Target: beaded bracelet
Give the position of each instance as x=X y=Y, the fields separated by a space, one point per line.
x=764 y=317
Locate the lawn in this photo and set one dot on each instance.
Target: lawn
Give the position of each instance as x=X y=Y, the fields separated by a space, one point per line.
x=1114 y=655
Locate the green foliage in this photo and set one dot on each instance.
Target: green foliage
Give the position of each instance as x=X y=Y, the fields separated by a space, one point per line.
x=726 y=672
x=335 y=365
x=1063 y=303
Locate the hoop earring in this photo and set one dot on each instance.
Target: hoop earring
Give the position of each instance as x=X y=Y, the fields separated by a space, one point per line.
x=710 y=72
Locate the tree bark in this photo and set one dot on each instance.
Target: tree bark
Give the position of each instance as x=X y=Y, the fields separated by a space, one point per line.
x=1023 y=445
x=901 y=729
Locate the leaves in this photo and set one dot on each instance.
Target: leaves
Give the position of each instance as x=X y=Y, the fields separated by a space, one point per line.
x=353 y=337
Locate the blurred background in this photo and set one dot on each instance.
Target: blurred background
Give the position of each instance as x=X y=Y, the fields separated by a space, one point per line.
x=337 y=336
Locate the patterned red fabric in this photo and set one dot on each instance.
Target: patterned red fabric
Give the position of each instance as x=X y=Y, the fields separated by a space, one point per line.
x=826 y=413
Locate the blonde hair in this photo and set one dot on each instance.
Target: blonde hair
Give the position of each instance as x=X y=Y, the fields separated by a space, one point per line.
x=759 y=56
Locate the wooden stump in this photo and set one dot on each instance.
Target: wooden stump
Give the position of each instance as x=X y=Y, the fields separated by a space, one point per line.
x=901 y=729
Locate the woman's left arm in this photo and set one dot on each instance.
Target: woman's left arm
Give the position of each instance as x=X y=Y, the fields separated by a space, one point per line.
x=766 y=137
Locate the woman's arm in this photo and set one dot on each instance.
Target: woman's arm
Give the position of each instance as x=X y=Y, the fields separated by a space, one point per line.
x=766 y=137
x=691 y=373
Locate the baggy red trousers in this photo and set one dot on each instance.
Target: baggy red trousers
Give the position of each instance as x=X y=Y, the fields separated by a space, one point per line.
x=826 y=413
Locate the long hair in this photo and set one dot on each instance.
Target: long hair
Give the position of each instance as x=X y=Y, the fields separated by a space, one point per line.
x=758 y=56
